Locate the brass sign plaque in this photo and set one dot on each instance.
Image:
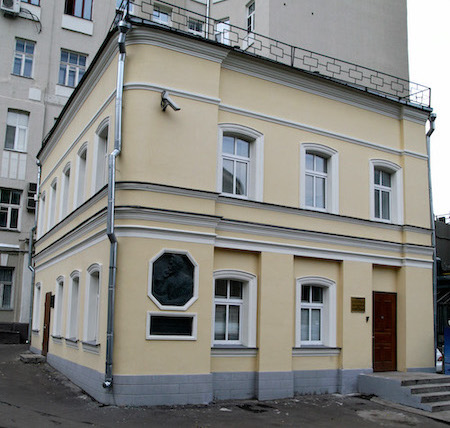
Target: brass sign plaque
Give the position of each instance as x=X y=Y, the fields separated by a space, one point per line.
x=358 y=304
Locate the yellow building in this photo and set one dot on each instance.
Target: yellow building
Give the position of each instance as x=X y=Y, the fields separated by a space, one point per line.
x=263 y=231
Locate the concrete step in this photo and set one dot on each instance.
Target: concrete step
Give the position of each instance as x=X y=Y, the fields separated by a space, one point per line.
x=425 y=381
x=440 y=407
x=424 y=389
x=28 y=358
x=434 y=397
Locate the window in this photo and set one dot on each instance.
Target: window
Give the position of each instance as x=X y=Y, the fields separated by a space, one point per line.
x=162 y=15
x=251 y=17
x=315 y=312
x=6 y=287
x=16 y=131
x=23 y=58
x=59 y=300
x=240 y=164
x=195 y=26
x=101 y=157
x=92 y=305
x=319 y=180
x=171 y=326
x=65 y=191
x=386 y=190
x=234 y=312
x=81 y=176
x=35 y=2
x=71 y=68
x=79 y=8
x=223 y=32
x=37 y=307
x=72 y=315
x=41 y=215
x=9 y=208
x=316 y=181
x=52 y=205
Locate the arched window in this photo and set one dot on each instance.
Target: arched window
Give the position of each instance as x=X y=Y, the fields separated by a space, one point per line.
x=59 y=301
x=319 y=180
x=37 y=307
x=386 y=191
x=52 y=204
x=81 y=175
x=72 y=314
x=101 y=156
x=65 y=188
x=240 y=172
x=234 y=311
x=92 y=305
x=41 y=215
x=315 y=312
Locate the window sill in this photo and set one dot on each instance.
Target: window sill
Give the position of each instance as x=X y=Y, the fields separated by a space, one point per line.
x=233 y=351
x=91 y=346
x=24 y=77
x=57 y=339
x=5 y=309
x=80 y=25
x=71 y=342
x=13 y=150
x=315 y=351
x=35 y=331
x=7 y=229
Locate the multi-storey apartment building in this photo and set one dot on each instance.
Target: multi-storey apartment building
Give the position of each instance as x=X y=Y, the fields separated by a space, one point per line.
x=46 y=48
x=218 y=223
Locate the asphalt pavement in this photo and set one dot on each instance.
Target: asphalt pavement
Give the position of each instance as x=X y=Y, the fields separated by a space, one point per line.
x=36 y=395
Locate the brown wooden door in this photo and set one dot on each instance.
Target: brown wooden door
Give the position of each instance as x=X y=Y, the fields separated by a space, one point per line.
x=46 y=329
x=384 y=332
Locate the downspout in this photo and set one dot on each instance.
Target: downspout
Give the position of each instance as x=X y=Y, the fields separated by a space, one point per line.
x=124 y=27
x=207 y=18
x=30 y=250
x=432 y=119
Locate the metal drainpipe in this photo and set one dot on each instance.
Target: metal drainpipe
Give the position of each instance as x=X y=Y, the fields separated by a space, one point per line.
x=124 y=27
x=30 y=250
x=432 y=119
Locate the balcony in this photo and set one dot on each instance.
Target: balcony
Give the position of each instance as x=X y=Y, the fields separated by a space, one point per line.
x=356 y=76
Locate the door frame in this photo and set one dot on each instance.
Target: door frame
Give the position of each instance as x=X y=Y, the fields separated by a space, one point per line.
x=46 y=327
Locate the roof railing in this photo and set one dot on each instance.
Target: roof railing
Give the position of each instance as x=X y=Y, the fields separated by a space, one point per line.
x=168 y=15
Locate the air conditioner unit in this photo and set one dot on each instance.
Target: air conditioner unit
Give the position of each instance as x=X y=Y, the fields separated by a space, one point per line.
x=10 y=7
x=31 y=197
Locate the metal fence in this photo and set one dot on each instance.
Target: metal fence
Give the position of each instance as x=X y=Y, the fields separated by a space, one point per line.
x=169 y=15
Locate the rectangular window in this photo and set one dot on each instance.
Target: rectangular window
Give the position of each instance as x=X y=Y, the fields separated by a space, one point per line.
x=235 y=166
x=9 y=208
x=23 y=58
x=35 y=2
x=16 y=131
x=195 y=26
x=79 y=8
x=251 y=17
x=228 y=303
x=162 y=15
x=6 y=275
x=71 y=68
x=311 y=314
x=171 y=326
x=382 y=194
x=316 y=181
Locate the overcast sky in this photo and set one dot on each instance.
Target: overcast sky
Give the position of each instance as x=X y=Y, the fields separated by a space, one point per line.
x=429 y=63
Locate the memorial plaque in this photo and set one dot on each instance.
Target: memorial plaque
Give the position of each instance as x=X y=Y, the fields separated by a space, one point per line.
x=358 y=304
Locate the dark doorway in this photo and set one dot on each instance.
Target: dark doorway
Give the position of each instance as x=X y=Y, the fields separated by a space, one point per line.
x=46 y=330
x=384 y=332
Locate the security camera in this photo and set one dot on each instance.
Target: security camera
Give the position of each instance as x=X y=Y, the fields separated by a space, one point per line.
x=167 y=101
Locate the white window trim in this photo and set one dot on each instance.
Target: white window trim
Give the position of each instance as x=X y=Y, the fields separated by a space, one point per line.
x=249 y=297
x=94 y=268
x=17 y=128
x=51 y=221
x=256 y=176
x=149 y=336
x=395 y=170
x=198 y=33
x=11 y=302
x=328 y=311
x=37 y=307
x=164 y=9
x=65 y=192
x=73 y=276
x=41 y=214
x=59 y=308
x=332 y=191
x=150 y=278
x=80 y=198
x=100 y=129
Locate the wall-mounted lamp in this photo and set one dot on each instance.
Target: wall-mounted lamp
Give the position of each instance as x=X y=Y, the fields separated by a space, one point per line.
x=167 y=101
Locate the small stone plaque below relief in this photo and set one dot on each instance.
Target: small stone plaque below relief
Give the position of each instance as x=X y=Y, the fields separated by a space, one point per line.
x=358 y=304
